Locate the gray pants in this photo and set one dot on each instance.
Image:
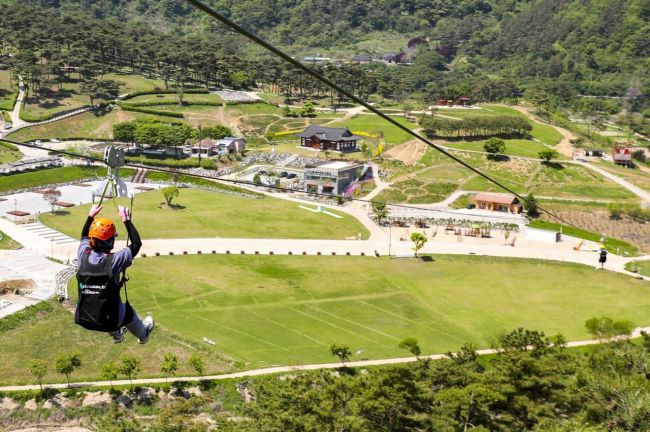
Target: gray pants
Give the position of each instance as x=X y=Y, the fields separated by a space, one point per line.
x=135 y=327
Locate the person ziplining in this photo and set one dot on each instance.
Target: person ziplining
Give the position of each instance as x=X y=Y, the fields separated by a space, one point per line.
x=101 y=274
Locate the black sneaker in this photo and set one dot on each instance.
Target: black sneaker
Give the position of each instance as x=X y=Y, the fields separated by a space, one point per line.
x=119 y=336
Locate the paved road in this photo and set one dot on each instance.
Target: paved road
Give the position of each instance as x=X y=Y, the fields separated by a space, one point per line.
x=286 y=369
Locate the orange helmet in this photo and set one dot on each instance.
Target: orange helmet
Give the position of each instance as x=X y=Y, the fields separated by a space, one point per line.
x=102 y=229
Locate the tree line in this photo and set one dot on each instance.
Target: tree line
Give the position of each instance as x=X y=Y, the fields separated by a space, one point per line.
x=476 y=126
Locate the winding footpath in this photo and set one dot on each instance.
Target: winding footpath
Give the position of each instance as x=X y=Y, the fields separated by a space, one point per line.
x=289 y=369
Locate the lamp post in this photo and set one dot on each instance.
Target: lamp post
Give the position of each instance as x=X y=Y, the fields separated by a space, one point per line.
x=199 y=145
x=15 y=208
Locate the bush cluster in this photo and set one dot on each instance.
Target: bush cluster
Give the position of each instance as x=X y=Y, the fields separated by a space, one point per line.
x=134 y=108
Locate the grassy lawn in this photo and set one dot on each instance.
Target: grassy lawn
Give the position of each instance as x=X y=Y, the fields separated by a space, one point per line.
x=7 y=242
x=641 y=267
x=135 y=83
x=268 y=310
x=53 y=101
x=572 y=180
x=211 y=214
x=173 y=98
x=52 y=332
x=462 y=202
x=9 y=154
x=450 y=172
x=86 y=125
x=612 y=244
x=633 y=175
x=8 y=93
x=373 y=124
x=417 y=192
x=48 y=176
x=514 y=147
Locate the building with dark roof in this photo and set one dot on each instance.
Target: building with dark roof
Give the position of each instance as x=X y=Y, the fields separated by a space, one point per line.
x=324 y=138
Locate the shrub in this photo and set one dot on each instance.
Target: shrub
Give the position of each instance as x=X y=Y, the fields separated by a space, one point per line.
x=172 y=163
x=8 y=104
x=133 y=108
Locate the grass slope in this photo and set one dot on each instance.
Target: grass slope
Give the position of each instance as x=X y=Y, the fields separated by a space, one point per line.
x=266 y=310
x=373 y=124
x=48 y=176
x=211 y=214
x=86 y=125
x=7 y=242
x=9 y=153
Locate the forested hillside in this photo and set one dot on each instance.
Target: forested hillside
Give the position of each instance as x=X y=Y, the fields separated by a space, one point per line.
x=602 y=46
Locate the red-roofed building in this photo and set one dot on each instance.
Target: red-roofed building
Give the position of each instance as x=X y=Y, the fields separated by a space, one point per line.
x=506 y=203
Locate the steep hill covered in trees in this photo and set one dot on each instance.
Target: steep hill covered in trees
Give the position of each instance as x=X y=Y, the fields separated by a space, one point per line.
x=592 y=46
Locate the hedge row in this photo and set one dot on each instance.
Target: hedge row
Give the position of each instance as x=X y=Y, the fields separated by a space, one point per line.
x=168 y=102
x=127 y=107
x=171 y=163
x=187 y=91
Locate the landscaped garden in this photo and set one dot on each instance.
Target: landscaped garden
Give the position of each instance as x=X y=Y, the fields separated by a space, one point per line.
x=49 y=176
x=267 y=310
x=375 y=125
x=198 y=213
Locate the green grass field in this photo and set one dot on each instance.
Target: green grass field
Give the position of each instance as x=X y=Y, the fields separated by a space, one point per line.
x=416 y=191
x=41 y=107
x=48 y=176
x=9 y=154
x=514 y=147
x=131 y=83
x=641 y=267
x=86 y=125
x=611 y=244
x=212 y=214
x=572 y=180
x=277 y=310
x=7 y=242
x=373 y=124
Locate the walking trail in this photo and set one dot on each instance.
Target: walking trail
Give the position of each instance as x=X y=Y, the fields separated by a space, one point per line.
x=287 y=369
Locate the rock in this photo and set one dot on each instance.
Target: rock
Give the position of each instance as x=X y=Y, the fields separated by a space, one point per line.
x=8 y=404
x=124 y=401
x=146 y=395
x=245 y=392
x=97 y=399
x=194 y=391
x=58 y=401
x=31 y=405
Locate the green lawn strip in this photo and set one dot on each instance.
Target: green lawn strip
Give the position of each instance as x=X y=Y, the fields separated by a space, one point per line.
x=447 y=171
x=213 y=214
x=640 y=267
x=9 y=153
x=48 y=176
x=86 y=125
x=462 y=201
x=612 y=244
x=7 y=242
x=282 y=310
x=172 y=98
x=373 y=124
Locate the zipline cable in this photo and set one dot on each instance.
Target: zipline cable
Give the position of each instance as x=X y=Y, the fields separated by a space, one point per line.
x=251 y=184
x=239 y=29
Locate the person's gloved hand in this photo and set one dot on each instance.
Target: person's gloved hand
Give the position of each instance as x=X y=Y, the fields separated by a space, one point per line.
x=95 y=209
x=124 y=213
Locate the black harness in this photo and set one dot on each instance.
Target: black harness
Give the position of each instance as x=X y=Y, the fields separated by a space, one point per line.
x=98 y=305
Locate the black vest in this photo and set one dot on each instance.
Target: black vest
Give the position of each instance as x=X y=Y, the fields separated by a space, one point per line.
x=98 y=306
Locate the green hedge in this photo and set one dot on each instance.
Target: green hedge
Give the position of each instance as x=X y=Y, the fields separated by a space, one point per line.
x=187 y=91
x=127 y=107
x=155 y=103
x=612 y=244
x=172 y=163
x=8 y=104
